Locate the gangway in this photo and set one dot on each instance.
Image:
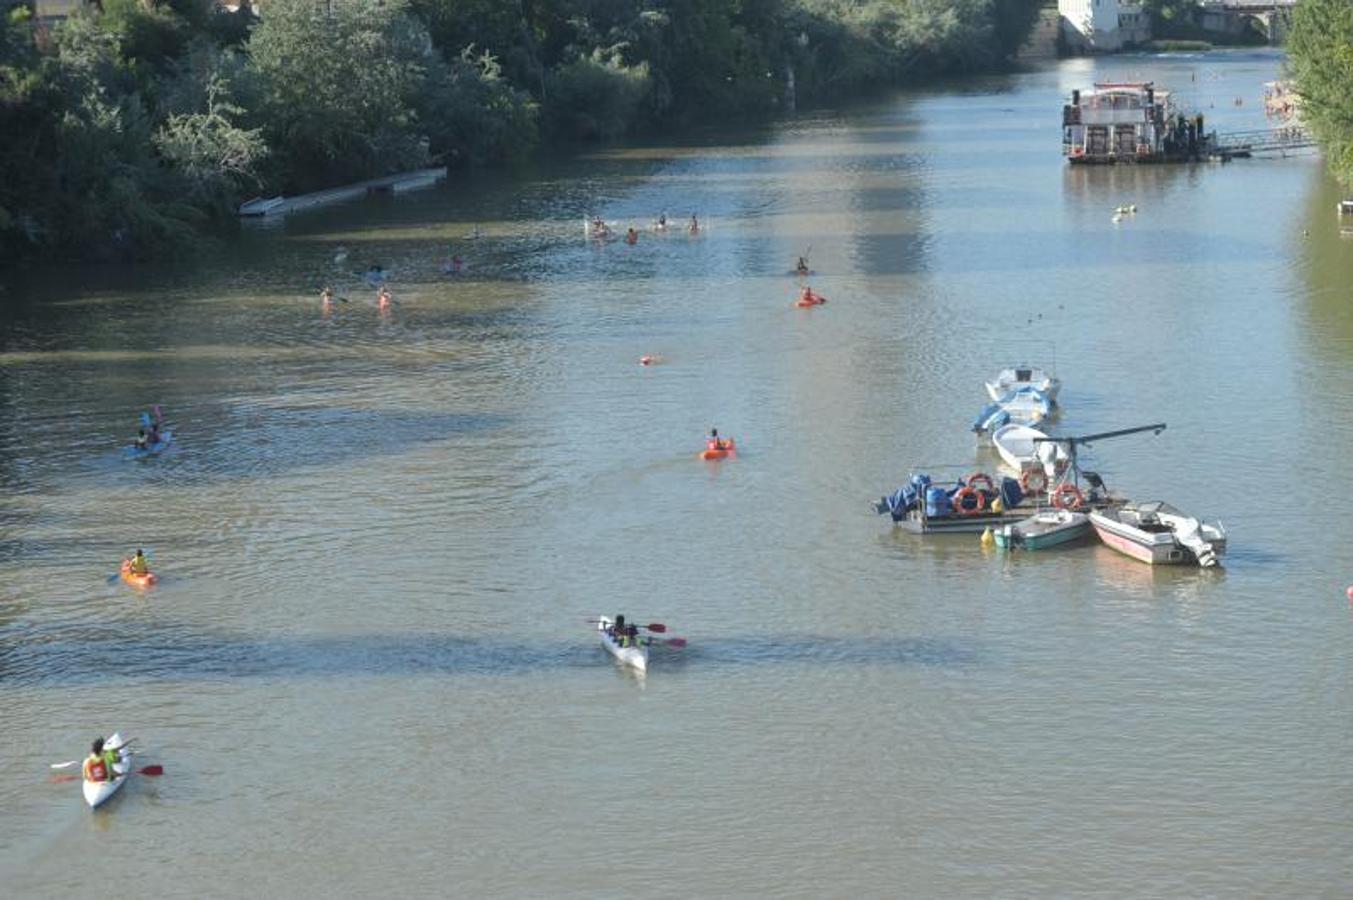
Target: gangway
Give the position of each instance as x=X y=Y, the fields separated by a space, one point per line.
x=1265 y=140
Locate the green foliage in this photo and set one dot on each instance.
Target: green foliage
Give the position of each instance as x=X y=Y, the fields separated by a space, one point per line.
x=595 y=97
x=135 y=123
x=1320 y=52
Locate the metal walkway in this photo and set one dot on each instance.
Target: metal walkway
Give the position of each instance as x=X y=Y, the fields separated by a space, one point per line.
x=1266 y=140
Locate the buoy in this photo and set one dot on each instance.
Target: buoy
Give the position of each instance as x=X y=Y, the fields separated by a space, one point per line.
x=988 y=539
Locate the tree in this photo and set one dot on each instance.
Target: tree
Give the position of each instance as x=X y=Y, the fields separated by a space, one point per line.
x=1320 y=52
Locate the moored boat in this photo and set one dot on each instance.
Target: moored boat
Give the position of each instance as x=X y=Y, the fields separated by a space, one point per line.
x=1044 y=529
x=1021 y=378
x=1158 y=534
x=98 y=793
x=1023 y=447
x=631 y=654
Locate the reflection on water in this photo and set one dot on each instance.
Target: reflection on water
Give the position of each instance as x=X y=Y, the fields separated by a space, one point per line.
x=379 y=534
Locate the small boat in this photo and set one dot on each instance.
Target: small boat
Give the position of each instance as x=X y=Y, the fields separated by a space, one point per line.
x=1017 y=446
x=1044 y=529
x=1158 y=534
x=718 y=448
x=635 y=655
x=98 y=793
x=141 y=581
x=166 y=438
x=1023 y=378
x=1026 y=406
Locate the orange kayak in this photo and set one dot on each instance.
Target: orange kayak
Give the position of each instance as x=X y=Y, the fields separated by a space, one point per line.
x=720 y=449
x=140 y=581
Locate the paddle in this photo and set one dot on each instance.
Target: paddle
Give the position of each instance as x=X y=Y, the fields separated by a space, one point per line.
x=657 y=627
x=154 y=770
x=670 y=642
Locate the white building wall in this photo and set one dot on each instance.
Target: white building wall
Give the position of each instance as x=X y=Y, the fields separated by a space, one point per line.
x=1095 y=22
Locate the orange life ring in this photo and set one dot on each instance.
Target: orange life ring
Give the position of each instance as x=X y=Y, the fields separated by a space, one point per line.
x=1067 y=496
x=963 y=493
x=982 y=477
x=1026 y=481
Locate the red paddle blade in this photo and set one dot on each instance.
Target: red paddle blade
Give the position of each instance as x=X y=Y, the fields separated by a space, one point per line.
x=656 y=627
x=675 y=642
x=151 y=770
x=57 y=779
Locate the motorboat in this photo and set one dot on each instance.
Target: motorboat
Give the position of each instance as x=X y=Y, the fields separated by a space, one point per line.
x=1044 y=529
x=1023 y=447
x=1158 y=534
x=1021 y=378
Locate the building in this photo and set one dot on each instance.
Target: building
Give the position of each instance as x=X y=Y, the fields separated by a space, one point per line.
x=1102 y=26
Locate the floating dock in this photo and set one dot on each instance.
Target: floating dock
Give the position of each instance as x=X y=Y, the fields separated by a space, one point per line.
x=390 y=184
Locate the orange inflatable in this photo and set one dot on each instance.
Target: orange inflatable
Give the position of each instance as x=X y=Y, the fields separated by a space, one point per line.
x=721 y=448
x=809 y=298
x=140 y=581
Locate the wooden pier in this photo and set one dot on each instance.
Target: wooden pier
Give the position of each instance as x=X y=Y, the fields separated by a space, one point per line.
x=390 y=184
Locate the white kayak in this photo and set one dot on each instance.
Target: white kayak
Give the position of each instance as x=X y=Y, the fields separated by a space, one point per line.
x=99 y=792
x=636 y=656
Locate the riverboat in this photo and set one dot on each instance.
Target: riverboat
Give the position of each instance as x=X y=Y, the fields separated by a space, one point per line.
x=1131 y=122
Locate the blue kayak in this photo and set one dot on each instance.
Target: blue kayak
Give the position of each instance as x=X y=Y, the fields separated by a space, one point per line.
x=166 y=438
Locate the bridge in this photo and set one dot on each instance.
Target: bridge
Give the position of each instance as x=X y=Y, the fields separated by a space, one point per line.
x=1270 y=17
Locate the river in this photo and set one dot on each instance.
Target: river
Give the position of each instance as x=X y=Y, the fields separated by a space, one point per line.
x=366 y=668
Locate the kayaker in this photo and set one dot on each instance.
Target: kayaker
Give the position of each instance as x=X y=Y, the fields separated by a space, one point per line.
x=153 y=435
x=326 y=296
x=383 y=298
x=632 y=635
x=694 y=226
x=631 y=237
x=140 y=439
x=802 y=267
x=97 y=766
x=137 y=565
x=662 y=222
x=618 y=630
x=716 y=442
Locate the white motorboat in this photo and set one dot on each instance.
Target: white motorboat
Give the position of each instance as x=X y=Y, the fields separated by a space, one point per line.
x=635 y=654
x=1158 y=534
x=1017 y=446
x=1021 y=378
x=99 y=792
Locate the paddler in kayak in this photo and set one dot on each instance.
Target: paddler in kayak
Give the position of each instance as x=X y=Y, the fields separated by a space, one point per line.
x=662 y=222
x=693 y=227
x=326 y=298
x=383 y=299
x=137 y=565
x=715 y=442
x=802 y=267
x=631 y=237
x=99 y=764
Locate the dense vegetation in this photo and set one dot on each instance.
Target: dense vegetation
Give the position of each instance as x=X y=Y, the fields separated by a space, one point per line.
x=1320 y=53
x=137 y=125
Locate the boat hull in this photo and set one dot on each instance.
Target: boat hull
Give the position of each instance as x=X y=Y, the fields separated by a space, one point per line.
x=1043 y=531
x=98 y=793
x=634 y=657
x=917 y=523
x=1152 y=549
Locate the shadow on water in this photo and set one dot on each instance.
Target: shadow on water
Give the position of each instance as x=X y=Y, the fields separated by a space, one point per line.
x=61 y=657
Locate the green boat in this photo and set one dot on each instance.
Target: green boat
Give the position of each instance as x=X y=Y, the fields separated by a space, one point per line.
x=1043 y=530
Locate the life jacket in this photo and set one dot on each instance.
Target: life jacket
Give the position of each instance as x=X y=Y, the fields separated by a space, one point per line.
x=137 y=565
x=95 y=770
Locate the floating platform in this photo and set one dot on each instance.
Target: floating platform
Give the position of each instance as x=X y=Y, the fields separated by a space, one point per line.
x=260 y=207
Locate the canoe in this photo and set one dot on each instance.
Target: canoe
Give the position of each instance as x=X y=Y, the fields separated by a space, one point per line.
x=1044 y=529
x=630 y=656
x=98 y=793
x=166 y=438
x=1019 y=378
x=141 y=581
x=1017 y=447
